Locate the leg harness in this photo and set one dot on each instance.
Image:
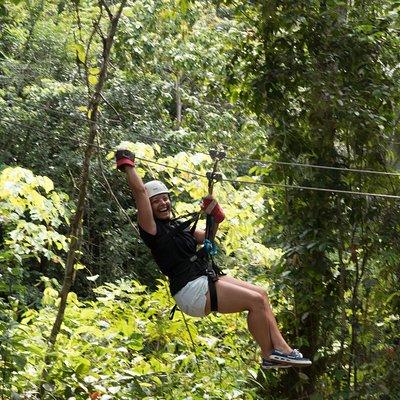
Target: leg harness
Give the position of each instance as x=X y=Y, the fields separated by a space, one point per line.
x=212 y=277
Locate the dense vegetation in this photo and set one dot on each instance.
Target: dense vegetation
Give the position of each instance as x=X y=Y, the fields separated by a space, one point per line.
x=300 y=94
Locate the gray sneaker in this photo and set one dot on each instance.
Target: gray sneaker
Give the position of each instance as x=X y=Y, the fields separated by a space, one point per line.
x=270 y=364
x=294 y=358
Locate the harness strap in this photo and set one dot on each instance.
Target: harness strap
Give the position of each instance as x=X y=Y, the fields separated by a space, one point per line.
x=172 y=312
x=208 y=250
x=209 y=226
x=212 y=277
x=193 y=228
x=185 y=224
x=192 y=214
x=213 y=294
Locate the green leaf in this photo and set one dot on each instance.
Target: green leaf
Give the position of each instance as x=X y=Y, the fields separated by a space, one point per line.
x=80 y=52
x=392 y=296
x=92 y=79
x=83 y=367
x=184 y=5
x=94 y=71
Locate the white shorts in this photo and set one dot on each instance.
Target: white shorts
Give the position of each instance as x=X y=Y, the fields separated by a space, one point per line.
x=191 y=299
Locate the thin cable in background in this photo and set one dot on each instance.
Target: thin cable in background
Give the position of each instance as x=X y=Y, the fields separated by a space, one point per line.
x=239 y=160
x=278 y=185
x=236 y=181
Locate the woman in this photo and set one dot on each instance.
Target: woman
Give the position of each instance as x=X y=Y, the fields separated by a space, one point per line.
x=174 y=251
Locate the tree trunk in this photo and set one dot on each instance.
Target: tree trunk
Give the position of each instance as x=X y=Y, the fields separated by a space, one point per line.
x=76 y=224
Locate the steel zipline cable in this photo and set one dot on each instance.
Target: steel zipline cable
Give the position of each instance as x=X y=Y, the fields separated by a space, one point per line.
x=233 y=181
x=277 y=185
x=236 y=181
x=316 y=166
x=238 y=160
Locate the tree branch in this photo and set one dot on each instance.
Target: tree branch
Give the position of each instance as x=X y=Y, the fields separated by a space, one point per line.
x=104 y=4
x=76 y=223
x=110 y=105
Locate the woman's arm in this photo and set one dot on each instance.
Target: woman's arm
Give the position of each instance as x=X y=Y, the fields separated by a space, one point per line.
x=200 y=234
x=145 y=212
x=210 y=206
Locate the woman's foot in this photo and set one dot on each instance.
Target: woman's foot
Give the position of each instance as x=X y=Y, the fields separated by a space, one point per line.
x=271 y=364
x=294 y=358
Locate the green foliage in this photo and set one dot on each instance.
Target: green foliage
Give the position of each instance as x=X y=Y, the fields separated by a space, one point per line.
x=123 y=345
x=322 y=79
x=322 y=76
x=31 y=211
x=154 y=67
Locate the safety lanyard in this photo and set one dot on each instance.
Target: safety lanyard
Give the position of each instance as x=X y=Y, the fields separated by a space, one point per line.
x=212 y=177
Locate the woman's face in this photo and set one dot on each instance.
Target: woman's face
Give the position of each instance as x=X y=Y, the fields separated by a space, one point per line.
x=161 y=206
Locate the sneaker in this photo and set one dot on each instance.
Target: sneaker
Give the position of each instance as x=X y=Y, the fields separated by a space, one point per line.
x=270 y=364
x=294 y=358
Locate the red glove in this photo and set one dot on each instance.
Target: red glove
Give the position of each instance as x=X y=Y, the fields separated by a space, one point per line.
x=211 y=206
x=124 y=158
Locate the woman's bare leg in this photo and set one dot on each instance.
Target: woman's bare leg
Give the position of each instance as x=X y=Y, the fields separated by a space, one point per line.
x=235 y=298
x=277 y=339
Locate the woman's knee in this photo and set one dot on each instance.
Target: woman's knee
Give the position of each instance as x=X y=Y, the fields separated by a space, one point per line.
x=246 y=285
x=258 y=301
x=263 y=293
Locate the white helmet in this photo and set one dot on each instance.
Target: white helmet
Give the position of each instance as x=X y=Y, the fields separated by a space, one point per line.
x=154 y=188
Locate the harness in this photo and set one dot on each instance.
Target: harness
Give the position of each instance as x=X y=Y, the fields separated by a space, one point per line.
x=192 y=219
x=209 y=250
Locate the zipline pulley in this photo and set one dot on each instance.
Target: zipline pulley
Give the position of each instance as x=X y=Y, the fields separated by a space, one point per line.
x=214 y=176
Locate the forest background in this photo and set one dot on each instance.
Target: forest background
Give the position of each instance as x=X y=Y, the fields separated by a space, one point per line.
x=299 y=94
